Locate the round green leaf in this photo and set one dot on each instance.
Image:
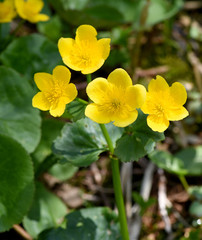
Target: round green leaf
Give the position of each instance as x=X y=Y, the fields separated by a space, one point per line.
x=87 y=224
x=196 y=191
x=185 y=162
x=50 y=130
x=18 y=119
x=47 y=211
x=63 y=171
x=82 y=141
x=16 y=178
x=137 y=140
x=31 y=54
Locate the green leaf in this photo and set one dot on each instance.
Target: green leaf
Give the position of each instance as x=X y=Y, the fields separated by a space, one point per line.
x=18 y=119
x=50 y=130
x=196 y=209
x=82 y=141
x=16 y=178
x=185 y=162
x=87 y=224
x=64 y=171
x=47 y=211
x=137 y=140
x=46 y=28
x=196 y=191
x=31 y=54
x=76 y=110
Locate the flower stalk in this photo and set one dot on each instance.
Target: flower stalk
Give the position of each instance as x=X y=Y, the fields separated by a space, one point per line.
x=117 y=185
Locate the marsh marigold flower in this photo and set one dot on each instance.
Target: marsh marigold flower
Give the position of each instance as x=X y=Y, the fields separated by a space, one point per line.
x=115 y=99
x=164 y=103
x=30 y=10
x=56 y=91
x=85 y=53
x=7 y=11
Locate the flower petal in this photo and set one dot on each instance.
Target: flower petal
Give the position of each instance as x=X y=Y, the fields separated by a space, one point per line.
x=93 y=112
x=61 y=75
x=97 y=90
x=149 y=105
x=120 y=78
x=37 y=5
x=86 y=32
x=58 y=109
x=123 y=122
x=65 y=46
x=44 y=81
x=39 y=101
x=104 y=45
x=135 y=96
x=95 y=67
x=70 y=93
x=178 y=93
x=38 y=18
x=158 y=84
x=176 y=114
x=157 y=123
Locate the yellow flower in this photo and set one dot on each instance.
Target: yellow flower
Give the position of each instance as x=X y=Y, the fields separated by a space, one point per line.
x=115 y=99
x=29 y=10
x=56 y=91
x=85 y=53
x=7 y=11
x=164 y=104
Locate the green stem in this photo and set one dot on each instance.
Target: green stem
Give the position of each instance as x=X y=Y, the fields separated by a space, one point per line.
x=89 y=78
x=117 y=185
x=81 y=101
x=184 y=182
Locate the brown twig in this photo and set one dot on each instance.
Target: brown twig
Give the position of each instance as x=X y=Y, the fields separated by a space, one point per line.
x=22 y=232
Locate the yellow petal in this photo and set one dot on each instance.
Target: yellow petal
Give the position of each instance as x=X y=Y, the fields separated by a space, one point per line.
x=93 y=112
x=104 y=45
x=65 y=46
x=44 y=81
x=86 y=32
x=123 y=122
x=158 y=84
x=68 y=61
x=95 y=67
x=120 y=78
x=70 y=93
x=58 y=109
x=135 y=96
x=157 y=123
x=7 y=11
x=178 y=93
x=39 y=101
x=97 y=90
x=175 y=114
x=38 y=18
x=37 y=5
x=19 y=4
x=61 y=75
x=149 y=105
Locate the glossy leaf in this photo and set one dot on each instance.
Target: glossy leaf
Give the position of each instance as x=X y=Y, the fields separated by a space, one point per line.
x=64 y=171
x=186 y=162
x=76 y=110
x=18 y=119
x=31 y=54
x=137 y=140
x=87 y=224
x=50 y=130
x=47 y=211
x=16 y=178
x=82 y=141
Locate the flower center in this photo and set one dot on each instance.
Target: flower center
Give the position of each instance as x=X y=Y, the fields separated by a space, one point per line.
x=159 y=110
x=54 y=95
